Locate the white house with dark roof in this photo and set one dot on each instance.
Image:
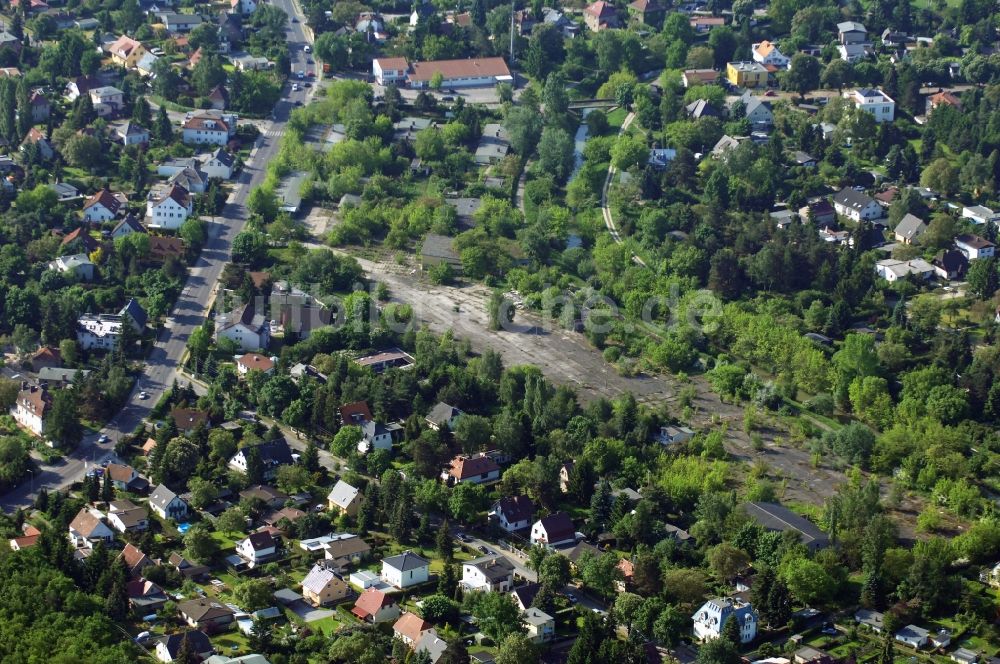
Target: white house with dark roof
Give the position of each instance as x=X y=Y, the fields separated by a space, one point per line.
x=541 y=627
x=87 y=528
x=512 y=513
x=247 y=328
x=488 y=573
x=257 y=548
x=856 y=205
x=169 y=208
x=375 y=436
x=711 y=618
x=405 y=570
x=913 y=636
x=553 y=530
x=219 y=164
x=167 y=504
x=974 y=246
x=442 y=414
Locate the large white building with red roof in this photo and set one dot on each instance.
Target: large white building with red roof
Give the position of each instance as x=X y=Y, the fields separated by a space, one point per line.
x=465 y=73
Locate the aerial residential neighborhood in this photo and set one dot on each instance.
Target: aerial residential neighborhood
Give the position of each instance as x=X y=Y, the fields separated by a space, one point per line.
x=479 y=332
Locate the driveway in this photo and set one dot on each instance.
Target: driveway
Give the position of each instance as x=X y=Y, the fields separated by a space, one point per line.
x=309 y=613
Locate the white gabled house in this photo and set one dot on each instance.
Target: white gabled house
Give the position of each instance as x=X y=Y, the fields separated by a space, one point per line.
x=257 y=548
x=206 y=130
x=512 y=513
x=767 y=53
x=167 y=504
x=219 y=164
x=856 y=205
x=169 y=208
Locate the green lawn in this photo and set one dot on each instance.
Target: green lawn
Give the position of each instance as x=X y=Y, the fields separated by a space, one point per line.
x=617 y=117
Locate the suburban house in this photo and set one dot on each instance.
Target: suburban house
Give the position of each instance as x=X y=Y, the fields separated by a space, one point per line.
x=974 y=246
x=541 y=627
x=100 y=332
x=135 y=560
x=964 y=656
x=553 y=530
x=167 y=504
x=390 y=70
x=177 y=23
x=775 y=517
x=873 y=620
x=893 y=270
x=46 y=356
x=254 y=362
x=913 y=636
x=405 y=570
x=807 y=655
x=512 y=513
x=169 y=207
x=488 y=573
x=671 y=435
x=126 y=517
x=767 y=53
x=854 y=52
x=757 y=110
x=107 y=100
x=205 y=614
x=77 y=266
x=257 y=547
x=271 y=496
x=168 y=648
x=31 y=407
x=127 y=226
x=247 y=328
x=647 y=12
x=323 y=586
x=477 y=469
x=145 y=597
x=272 y=454
x=125 y=478
x=243 y=6
x=852 y=32
x=346 y=551
x=374 y=436
x=188 y=419
x=874 y=101
x=693 y=77
x=909 y=228
x=443 y=414
x=704 y=24
x=950 y=264
x=219 y=164
x=187 y=568
x=409 y=628
x=747 y=74
x=103 y=206
x=88 y=528
x=600 y=15
x=375 y=606
x=856 y=205
x=345 y=499
x=710 y=619
x=493 y=146
x=206 y=130
x=980 y=214
x=131 y=133
x=432 y=645
x=390 y=358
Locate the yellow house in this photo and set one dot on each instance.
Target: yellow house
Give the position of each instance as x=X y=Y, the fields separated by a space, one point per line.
x=746 y=74
x=323 y=586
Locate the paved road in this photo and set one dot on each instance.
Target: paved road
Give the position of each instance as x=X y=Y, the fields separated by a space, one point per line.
x=190 y=308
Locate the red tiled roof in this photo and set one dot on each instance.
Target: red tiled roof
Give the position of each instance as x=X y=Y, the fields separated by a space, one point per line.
x=349 y=413
x=469 y=68
x=106 y=198
x=465 y=467
x=370 y=602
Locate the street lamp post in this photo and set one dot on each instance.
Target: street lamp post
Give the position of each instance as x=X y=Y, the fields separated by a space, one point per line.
x=31 y=485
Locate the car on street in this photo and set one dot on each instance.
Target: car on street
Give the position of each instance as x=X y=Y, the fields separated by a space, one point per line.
x=295 y=20
x=310 y=73
x=572 y=598
x=103 y=439
x=463 y=537
x=485 y=549
x=307 y=49
x=295 y=87
x=143 y=395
